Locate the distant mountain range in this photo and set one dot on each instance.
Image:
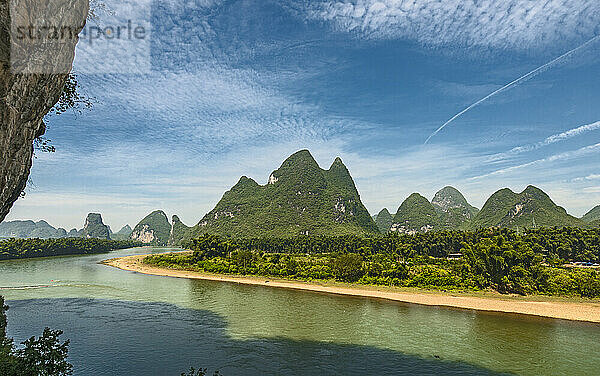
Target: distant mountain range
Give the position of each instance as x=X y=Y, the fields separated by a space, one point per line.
x=93 y=228
x=302 y=198
x=530 y=208
x=449 y=210
x=30 y=229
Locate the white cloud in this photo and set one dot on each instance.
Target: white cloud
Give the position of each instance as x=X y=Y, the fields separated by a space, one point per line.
x=553 y=158
x=548 y=141
x=586 y=178
x=514 y=24
x=212 y=108
x=117 y=39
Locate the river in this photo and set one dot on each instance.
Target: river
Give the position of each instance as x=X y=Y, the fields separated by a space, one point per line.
x=125 y=323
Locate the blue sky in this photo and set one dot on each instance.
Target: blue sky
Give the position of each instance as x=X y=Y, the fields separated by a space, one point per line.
x=221 y=89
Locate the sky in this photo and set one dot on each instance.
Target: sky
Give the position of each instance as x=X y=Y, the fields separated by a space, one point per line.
x=217 y=89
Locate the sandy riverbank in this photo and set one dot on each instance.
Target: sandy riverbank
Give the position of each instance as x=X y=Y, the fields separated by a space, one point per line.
x=536 y=306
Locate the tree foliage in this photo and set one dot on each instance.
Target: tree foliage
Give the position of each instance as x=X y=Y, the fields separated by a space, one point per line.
x=43 y=356
x=497 y=259
x=71 y=97
x=208 y=246
x=347 y=267
x=29 y=248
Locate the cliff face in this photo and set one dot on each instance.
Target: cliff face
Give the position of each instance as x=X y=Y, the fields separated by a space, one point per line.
x=25 y=98
x=154 y=229
x=95 y=228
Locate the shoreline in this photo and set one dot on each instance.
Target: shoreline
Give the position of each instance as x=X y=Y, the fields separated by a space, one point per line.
x=540 y=306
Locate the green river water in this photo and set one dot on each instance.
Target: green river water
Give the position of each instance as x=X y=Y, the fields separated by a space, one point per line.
x=127 y=323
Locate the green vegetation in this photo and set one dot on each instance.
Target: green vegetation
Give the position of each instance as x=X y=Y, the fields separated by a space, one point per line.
x=592 y=216
x=178 y=231
x=154 y=229
x=300 y=198
x=28 y=248
x=71 y=99
x=95 y=228
x=416 y=214
x=199 y=372
x=383 y=220
x=452 y=208
x=497 y=259
x=43 y=356
x=530 y=208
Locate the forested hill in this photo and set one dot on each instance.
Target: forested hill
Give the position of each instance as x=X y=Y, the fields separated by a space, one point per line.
x=299 y=198
x=154 y=229
x=453 y=209
x=449 y=210
x=384 y=220
x=530 y=208
x=593 y=215
x=416 y=214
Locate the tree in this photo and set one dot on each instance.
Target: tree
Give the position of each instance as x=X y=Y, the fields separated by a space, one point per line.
x=507 y=266
x=7 y=360
x=71 y=98
x=243 y=258
x=348 y=267
x=44 y=356
x=208 y=246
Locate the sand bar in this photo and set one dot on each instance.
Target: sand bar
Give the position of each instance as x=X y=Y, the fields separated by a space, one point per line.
x=537 y=305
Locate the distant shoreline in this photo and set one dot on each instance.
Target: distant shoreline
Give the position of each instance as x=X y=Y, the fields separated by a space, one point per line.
x=540 y=306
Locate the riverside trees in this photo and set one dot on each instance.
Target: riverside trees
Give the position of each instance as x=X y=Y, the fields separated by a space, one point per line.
x=498 y=259
x=28 y=248
x=43 y=356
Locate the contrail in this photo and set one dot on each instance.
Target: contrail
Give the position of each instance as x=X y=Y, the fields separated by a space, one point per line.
x=514 y=83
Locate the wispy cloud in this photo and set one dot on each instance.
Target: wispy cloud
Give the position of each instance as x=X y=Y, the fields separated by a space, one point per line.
x=211 y=110
x=553 y=158
x=514 y=24
x=236 y=88
x=587 y=178
x=547 y=141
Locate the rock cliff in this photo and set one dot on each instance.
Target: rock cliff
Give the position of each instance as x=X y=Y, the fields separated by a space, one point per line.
x=154 y=229
x=95 y=228
x=25 y=98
